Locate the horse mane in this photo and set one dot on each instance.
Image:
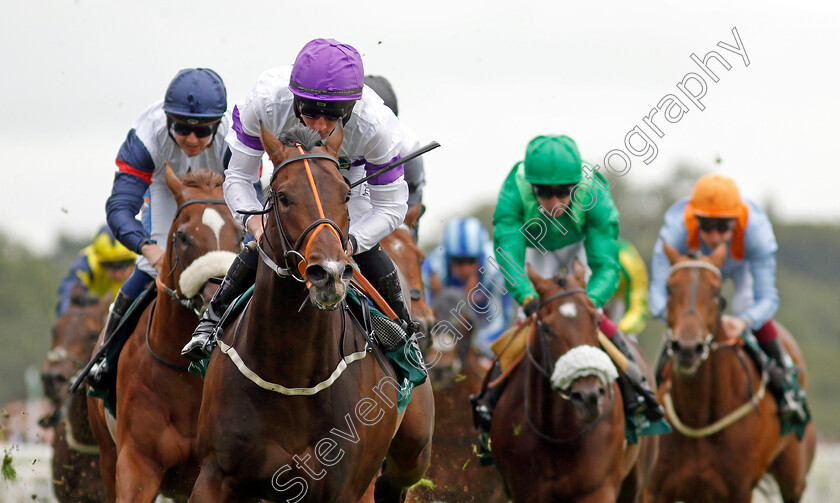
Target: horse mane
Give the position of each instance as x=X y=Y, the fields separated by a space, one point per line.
x=204 y=179
x=307 y=138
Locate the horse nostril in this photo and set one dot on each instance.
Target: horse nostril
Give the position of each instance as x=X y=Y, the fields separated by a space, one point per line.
x=348 y=273
x=317 y=275
x=698 y=348
x=602 y=392
x=674 y=346
x=577 y=396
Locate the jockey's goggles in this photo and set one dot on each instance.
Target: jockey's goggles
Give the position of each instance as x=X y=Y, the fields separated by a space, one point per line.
x=549 y=191
x=721 y=225
x=200 y=131
x=119 y=264
x=330 y=110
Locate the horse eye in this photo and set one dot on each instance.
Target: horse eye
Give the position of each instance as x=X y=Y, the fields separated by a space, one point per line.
x=283 y=198
x=183 y=238
x=347 y=198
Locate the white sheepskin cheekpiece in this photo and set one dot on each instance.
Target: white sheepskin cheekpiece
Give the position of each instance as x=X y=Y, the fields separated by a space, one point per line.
x=209 y=265
x=583 y=361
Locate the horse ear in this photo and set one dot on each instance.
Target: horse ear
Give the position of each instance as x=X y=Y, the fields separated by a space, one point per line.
x=535 y=277
x=672 y=254
x=175 y=186
x=335 y=139
x=718 y=255
x=272 y=146
x=412 y=215
x=579 y=272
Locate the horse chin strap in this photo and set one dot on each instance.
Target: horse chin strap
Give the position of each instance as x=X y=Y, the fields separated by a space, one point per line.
x=298 y=273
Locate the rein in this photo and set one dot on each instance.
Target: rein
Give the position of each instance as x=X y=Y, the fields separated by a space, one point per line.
x=314 y=228
x=306 y=238
x=175 y=366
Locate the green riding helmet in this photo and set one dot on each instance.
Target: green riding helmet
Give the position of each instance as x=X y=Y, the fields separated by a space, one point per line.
x=552 y=160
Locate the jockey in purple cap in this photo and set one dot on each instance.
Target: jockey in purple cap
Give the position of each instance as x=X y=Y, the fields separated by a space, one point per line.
x=325 y=85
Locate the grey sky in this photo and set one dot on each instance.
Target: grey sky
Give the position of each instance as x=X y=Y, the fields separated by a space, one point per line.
x=480 y=80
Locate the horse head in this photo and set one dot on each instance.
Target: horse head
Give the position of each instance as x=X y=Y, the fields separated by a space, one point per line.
x=308 y=221
x=73 y=337
x=694 y=307
x=448 y=350
x=203 y=238
x=567 y=327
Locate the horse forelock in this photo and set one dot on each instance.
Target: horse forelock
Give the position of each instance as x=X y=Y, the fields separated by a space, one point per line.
x=308 y=138
x=203 y=179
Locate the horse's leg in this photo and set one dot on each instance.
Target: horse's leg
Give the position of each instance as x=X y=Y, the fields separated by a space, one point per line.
x=411 y=448
x=138 y=478
x=107 y=448
x=209 y=486
x=790 y=468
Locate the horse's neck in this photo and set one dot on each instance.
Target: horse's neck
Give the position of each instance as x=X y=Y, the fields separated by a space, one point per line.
x=279 y=335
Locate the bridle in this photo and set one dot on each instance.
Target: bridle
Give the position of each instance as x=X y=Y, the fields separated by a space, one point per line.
x=197 y=303
x=300 y=260
x=708 y=344
x=543 y=331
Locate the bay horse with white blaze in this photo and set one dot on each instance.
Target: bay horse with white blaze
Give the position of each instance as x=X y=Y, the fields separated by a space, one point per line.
x=558 y=433
x=322 y=434
x=152 y=447
x=727 y=430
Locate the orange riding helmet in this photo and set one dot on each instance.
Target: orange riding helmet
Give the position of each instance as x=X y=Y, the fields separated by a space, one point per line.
x=717 y=196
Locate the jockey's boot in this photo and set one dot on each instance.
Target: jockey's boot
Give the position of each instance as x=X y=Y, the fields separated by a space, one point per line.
x=637 y=395
x=103 y=374
x=238 y=279
x=390 y=289
x=483 y=406
x=782 y=372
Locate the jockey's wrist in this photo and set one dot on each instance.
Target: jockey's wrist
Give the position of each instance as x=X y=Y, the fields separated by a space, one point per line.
x=530 y=305
x=144 y=242
x=352 y=244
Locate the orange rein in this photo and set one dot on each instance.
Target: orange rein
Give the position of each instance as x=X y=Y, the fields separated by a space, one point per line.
x=301 y=265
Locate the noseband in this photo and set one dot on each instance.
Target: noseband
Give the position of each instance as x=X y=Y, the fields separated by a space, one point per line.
x=547 y=369
x=286 y=247
x=196 y=303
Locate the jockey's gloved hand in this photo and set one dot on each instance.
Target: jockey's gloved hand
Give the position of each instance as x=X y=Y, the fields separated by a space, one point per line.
x=352 y=245
x=530 y=305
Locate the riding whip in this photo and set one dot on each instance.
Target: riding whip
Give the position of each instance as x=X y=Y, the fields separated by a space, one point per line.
x=417 y=153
